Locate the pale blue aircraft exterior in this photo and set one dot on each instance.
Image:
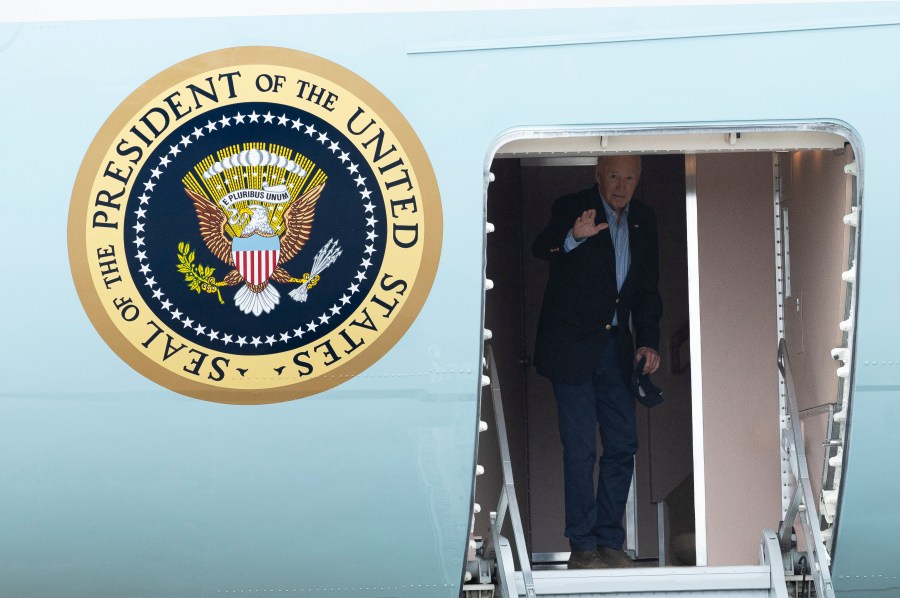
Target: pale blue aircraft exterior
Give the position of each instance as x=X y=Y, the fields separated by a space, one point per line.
x=113 y=486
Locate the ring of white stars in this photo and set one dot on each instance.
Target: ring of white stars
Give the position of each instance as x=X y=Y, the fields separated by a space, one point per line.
x=304 y=326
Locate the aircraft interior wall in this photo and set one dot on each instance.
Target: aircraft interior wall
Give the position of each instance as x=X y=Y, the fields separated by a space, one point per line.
x=737 y=269
x=504 y=317
x=817 y=194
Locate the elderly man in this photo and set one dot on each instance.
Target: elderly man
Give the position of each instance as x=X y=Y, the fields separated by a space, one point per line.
x=604 y=269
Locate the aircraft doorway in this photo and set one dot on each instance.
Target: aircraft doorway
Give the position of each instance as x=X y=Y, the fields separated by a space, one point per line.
x=519 y=205
x=720 y=270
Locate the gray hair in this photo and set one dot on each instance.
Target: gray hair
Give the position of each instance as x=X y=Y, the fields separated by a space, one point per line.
x=603 y=157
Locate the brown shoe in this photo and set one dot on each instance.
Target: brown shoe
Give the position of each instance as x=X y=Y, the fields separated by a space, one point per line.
x=613 y=559
x=585 y=559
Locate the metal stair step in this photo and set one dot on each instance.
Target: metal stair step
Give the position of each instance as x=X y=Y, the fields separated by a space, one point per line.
x=661 y=582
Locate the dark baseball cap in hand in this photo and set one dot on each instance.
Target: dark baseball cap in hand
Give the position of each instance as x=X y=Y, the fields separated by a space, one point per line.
x=642 y=388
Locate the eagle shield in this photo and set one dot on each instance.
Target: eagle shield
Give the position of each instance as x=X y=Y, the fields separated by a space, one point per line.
x=255 y=257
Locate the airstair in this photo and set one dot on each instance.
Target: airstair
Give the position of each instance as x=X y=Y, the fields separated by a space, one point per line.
x=502 y=568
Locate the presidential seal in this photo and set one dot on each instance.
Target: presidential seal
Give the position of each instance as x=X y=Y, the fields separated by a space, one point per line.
x=254 y=225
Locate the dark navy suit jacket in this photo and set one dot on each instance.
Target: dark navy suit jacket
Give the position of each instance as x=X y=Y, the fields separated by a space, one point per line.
x=581 y=295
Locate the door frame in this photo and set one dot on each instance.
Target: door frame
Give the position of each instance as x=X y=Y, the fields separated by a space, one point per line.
x=688 y=139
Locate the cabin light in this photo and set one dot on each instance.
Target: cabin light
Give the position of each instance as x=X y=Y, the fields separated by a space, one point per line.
x=837 y=459
x=849 y=275
x=841 y=354
x=485 y=381
x=477 y=508
x=489 y=227
x=488 y=335
x=828 y=504
x=479 y=470
x=488 y=284
x=482 y=426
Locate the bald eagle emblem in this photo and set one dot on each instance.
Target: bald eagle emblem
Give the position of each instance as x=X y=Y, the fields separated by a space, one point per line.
x=255 y=227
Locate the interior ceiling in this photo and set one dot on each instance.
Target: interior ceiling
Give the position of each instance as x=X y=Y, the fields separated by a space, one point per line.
x=581 y=146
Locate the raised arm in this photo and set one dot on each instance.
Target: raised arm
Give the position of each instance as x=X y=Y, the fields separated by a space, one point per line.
x=566 y=219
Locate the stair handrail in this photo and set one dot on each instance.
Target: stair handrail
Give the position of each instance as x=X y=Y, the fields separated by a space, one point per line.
x=508 y=502
x=802 y=502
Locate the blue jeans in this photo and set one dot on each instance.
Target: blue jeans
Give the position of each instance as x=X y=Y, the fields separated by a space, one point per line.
x=594 y=520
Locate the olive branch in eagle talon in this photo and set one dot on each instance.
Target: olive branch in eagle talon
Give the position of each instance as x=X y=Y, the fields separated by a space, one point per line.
x=199 y=278
x=258 y=296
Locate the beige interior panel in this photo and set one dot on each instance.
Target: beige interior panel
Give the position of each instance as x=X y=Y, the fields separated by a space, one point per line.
x=739 y=343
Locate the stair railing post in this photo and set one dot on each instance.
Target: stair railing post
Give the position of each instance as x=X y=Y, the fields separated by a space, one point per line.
x=508 y=501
